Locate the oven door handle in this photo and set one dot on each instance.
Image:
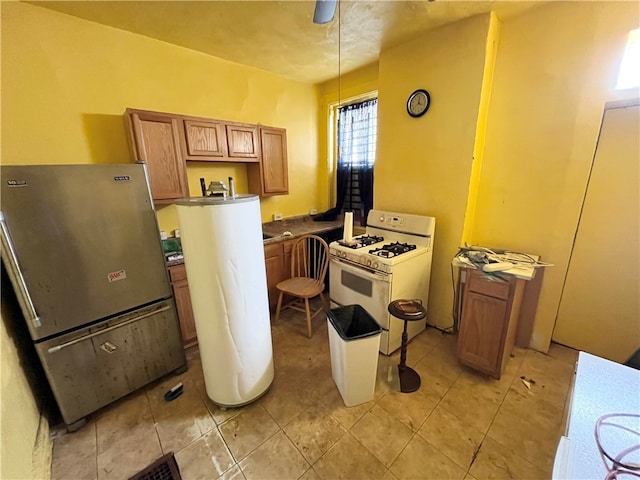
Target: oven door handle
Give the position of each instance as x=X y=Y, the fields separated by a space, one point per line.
x=362 y=269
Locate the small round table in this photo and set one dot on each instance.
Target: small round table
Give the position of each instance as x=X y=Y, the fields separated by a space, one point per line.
x=407 y=310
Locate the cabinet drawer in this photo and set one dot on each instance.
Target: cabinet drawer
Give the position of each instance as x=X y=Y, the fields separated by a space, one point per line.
x=273 y=250
x=177 y=273
x=288 y=246
x=478 y=283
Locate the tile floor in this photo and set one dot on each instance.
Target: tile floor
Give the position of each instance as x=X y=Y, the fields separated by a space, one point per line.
x=460 y=424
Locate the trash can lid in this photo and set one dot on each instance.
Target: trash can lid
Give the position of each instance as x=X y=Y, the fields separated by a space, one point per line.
x=353 y=322
x=407 y=309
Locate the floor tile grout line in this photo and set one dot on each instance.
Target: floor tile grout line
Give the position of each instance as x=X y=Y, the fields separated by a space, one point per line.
x=506 y=391
x=414 y=433
x=484 y=434
x=95 y=426
x=498 y=411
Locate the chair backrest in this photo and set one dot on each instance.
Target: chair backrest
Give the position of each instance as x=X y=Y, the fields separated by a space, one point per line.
x=310 y=258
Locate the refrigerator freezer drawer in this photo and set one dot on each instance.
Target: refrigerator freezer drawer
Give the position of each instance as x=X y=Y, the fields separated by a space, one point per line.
x=90 y=369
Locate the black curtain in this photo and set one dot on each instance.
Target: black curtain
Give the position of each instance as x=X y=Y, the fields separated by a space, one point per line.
x=357 y=134
x=365 y=176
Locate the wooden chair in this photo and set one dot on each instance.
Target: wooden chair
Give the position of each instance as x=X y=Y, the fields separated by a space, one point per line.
x=309 y=264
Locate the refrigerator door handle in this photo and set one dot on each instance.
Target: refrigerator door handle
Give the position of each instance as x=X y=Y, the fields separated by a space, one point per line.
x=57 y=348
x=13 y=269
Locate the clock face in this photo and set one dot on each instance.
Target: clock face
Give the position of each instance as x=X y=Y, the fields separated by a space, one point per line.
x=418 y=103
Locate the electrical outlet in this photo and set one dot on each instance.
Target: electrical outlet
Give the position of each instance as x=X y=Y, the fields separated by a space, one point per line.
x=277 y=216
x=313 y=211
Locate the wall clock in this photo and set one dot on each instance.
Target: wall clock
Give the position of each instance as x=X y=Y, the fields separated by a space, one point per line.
x=418 y=103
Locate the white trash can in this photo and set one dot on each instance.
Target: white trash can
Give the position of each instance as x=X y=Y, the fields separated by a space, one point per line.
x=354 y=341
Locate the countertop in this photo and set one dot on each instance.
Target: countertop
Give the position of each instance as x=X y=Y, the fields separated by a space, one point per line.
x=298 y=226
x=601 y=387
x=522 y=271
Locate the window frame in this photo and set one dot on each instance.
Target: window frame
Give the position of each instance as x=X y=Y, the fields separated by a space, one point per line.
x=332 y=137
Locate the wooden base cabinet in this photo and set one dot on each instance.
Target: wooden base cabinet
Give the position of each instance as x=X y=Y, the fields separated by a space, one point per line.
x=489 y=320
x=278 y=266
x=273 y=258
x=180 y=286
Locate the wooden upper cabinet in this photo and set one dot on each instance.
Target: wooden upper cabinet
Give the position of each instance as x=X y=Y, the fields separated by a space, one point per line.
x=205 y=139
x=243 y=143
x=271 y=177
x=155 y=140
x=165 y=141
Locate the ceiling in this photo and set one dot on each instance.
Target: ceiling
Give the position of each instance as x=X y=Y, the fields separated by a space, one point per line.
x=280 y=36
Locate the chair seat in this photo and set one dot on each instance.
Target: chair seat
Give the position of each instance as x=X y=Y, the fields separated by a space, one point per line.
x=301 y=287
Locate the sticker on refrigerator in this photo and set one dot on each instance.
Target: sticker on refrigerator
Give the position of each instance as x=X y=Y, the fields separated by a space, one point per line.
x=115 y=276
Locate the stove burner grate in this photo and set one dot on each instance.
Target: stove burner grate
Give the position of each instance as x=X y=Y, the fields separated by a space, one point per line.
x=362 y=241
x=392 y=249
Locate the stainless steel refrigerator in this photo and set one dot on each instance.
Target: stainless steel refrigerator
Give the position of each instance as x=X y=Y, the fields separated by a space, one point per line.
x=82 y=249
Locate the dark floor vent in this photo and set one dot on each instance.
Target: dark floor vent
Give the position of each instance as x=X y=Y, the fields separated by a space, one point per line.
x=165 y=468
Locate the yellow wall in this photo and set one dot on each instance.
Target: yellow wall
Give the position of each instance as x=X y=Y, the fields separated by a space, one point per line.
x=353 y=84
x=556 y=67
x=66 y=83
x=19 y=417
x=424 y=164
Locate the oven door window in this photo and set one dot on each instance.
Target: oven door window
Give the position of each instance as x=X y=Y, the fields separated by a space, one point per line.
x=351 y=285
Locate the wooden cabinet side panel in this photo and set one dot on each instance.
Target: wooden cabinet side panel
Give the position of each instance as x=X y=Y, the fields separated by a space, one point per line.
x=528 y=309
x=480 y=340
x=513 y=312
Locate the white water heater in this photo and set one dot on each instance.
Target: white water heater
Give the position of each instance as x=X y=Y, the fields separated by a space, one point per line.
x=224 y=259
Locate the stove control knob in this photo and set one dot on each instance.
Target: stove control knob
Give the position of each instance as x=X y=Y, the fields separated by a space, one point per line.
x=368 y=262
x=375 y=265
x=343 y=254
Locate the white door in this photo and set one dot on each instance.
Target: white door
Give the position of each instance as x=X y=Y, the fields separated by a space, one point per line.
x=600 y=306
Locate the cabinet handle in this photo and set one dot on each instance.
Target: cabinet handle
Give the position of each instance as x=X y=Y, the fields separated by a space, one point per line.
x=57 y=348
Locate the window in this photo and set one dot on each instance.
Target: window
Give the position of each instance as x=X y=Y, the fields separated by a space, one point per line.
x=629 y=75
x=357 y=134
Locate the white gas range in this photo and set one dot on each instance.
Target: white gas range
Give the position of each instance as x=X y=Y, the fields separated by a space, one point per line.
x=392 y=260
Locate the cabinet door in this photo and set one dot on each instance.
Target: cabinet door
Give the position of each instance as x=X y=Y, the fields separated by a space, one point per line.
x=156 y=141
x=242 y=141
x=271 y=177
x=180 y=285
x=205 y=140
x=185 y=313
x=482 y=327
x=274 y=263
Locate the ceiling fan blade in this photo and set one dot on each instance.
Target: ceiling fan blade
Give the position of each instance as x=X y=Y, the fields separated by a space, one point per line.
x=325 y=10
